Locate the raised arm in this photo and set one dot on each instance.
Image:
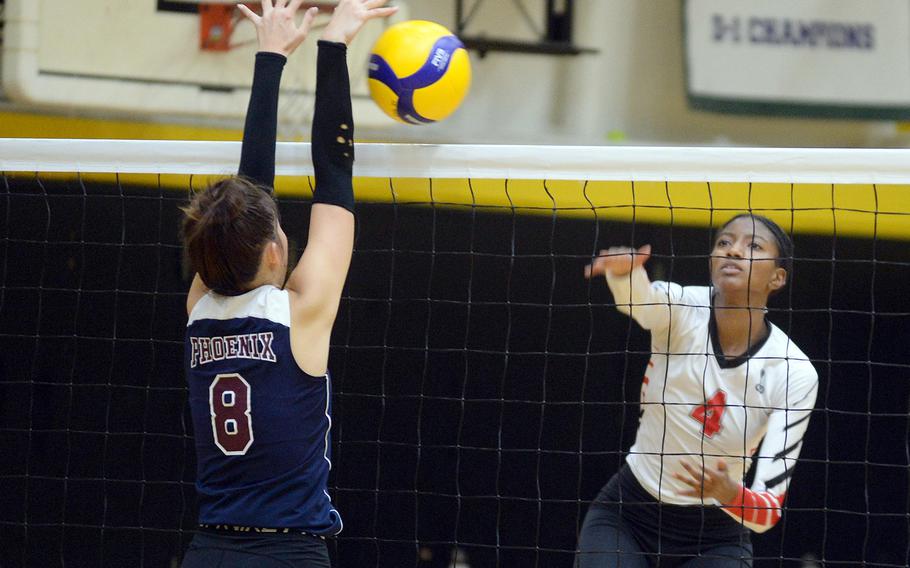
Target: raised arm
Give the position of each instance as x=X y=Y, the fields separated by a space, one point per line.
x=317 y=281
x=635 y=295
x=257 y=152
x=279 y=36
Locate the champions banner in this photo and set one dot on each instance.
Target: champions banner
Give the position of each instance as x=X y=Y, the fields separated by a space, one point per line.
x=835 y=58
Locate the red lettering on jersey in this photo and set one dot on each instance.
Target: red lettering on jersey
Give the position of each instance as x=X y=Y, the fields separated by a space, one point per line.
x=711 y=413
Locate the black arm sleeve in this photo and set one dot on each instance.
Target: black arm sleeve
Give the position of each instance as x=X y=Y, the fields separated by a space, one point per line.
x=333 y=128
x=257 y=153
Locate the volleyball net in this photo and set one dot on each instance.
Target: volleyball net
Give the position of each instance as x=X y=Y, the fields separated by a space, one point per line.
x=484 y=390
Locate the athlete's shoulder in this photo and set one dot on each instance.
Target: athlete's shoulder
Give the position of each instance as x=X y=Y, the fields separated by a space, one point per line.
x=782 y=346
x=689 y=306
x=793 y=367
x=698 y=296
x=265 y=302
x=691 y=296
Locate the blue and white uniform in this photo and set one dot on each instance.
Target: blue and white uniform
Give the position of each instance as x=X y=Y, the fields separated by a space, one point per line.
x=262 y=425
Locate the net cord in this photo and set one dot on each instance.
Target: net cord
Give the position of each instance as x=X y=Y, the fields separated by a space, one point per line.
x=600 y=163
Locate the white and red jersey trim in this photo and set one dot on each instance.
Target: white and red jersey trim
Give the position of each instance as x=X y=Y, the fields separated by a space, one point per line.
x=758 y=510
x=700 y=408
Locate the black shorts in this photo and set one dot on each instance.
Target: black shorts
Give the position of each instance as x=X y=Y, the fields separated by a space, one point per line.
x=626 y=525
x=214 y=549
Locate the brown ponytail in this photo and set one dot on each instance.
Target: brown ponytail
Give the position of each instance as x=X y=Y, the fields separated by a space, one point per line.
x=224 y=232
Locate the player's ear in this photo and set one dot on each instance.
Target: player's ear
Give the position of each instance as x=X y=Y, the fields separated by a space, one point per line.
x=273 y=253
x=778 y=279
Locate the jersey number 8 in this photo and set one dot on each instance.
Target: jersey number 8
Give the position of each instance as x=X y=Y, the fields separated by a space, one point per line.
x=229 y=404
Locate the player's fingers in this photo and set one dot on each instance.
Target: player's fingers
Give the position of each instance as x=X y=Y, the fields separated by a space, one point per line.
x=688 y=481
x=709 y=478
x=281 y=3
x=641 y=255
x=616 y=251
x=598 y=267
x=266 y=6
x=613 y=259
x=370 y=4
x=692 y=471
x=682 y=477
x=721 y=465
x=382 y=12
x=308 y=17
x=250 y=15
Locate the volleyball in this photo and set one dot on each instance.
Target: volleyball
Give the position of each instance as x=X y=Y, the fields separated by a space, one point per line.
x=419 y=72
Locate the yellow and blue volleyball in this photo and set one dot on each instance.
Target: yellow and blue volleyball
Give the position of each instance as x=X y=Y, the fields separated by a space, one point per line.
x=419 y=72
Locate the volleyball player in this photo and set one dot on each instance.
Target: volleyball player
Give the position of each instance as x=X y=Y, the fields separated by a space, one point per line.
x=257 y=340
x=724 y=388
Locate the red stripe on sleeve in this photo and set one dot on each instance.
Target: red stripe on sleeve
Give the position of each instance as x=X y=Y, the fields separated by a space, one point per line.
x=759 y=508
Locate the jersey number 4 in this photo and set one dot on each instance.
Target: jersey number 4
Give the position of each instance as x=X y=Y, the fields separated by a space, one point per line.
x=229 y=404
x=711 y=413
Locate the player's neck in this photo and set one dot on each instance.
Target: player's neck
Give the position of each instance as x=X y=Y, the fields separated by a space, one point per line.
x=739 y=327
x=267 y=276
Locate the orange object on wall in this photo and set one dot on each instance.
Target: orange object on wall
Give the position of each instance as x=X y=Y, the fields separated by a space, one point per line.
x=215 y=26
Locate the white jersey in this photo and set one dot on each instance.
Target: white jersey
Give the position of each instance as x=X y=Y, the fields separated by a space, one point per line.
x=697 y=406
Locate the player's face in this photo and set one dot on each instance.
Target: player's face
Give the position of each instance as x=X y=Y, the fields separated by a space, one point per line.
x=744 y=258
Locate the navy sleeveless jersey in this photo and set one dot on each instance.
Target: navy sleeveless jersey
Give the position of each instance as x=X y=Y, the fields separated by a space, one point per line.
x=261 y=424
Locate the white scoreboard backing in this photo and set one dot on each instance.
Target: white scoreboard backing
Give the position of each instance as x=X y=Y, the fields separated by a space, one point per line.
x=839 y=58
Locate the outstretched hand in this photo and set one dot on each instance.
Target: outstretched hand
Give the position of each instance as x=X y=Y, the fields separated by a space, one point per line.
x=276 y=28
x=706 y=482
x=350 y=15
x=618 y=261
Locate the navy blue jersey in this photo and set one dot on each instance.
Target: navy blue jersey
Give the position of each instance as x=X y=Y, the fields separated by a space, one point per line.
x=261 y=424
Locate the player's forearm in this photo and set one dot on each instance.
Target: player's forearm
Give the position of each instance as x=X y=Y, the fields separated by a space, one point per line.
x=257 y=153
x=630 y=288
x=635 y=296
x=757 y=510
x=333 y=128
